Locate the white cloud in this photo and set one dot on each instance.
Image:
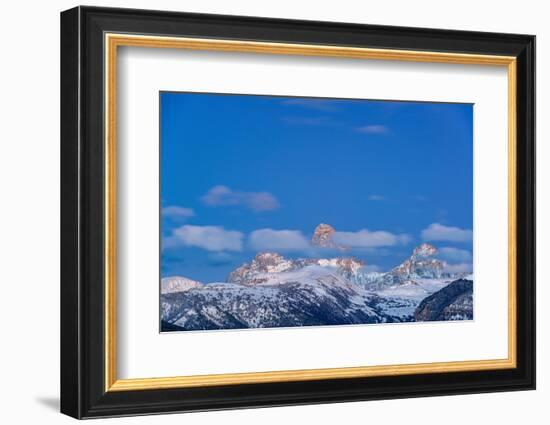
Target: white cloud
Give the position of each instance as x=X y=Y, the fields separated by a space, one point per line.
x=256 y=201
x=439 y=232
x=211 y=238
x=169 y=242
x=455 y=254
x=372 y=129
x=376 y=198
x=366 y=239
x=283 y=240
x=459 y=268
x=175 y=211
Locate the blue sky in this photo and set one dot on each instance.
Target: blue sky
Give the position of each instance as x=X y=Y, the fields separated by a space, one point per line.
x=242 y=173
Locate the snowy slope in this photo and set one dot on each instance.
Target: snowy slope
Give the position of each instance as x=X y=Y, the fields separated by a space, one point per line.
x=274 y=291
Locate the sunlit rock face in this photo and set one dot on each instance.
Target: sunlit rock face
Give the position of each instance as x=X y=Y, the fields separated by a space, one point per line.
x=421 y=264
x=322 y=236
x=424 y=250
x=263 y=262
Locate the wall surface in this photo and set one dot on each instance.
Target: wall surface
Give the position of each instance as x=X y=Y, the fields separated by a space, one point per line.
x=29 y=223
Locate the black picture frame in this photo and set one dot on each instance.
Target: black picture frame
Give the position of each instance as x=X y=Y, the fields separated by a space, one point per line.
x=83 y=392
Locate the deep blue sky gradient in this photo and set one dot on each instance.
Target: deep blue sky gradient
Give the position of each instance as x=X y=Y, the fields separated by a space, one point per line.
x=355 y=164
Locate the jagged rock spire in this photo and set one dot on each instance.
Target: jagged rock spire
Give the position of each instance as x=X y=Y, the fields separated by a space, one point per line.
x=322 y=236
x=425 y=250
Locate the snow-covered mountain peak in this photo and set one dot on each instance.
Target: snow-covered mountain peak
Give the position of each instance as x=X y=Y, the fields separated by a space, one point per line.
x=172 y=284
x=271 y=263
x=420 y=264
x=263 y=262
x=264 y=259
x=425 y=250
x=346 y=266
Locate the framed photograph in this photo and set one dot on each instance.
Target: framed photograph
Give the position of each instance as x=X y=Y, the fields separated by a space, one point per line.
x=261 y=212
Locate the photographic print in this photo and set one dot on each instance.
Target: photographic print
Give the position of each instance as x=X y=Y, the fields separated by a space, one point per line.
x=334 y=188
x=291 y=211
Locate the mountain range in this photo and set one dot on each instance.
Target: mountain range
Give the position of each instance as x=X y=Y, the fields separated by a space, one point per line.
x=275 y=291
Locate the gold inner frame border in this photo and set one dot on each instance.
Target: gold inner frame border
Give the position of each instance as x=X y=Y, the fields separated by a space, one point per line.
x=111 y=43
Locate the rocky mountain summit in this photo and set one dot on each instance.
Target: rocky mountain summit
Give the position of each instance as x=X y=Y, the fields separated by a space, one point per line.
x=270 y=262
x=420 y=265
x=323 y=237
x=423 y=251
x=264 y=262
